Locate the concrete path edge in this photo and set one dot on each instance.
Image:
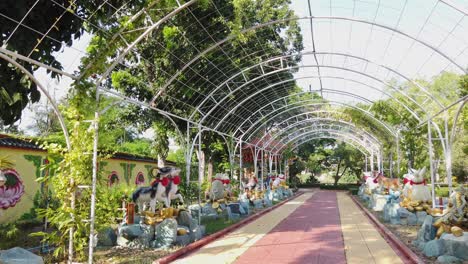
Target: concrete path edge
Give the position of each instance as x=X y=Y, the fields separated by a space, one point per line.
x=200 y=243
x=395 y=243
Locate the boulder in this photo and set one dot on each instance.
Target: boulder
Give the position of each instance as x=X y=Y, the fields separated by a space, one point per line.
x=235 y=208
x=107 y=237
x=208 y=209
x=197 y=233
x=258 y=204
x=183 y=240
x=421 y=217
x=403 y=212
x=195 y=210
x=184 y=218
x=434 y=248
x=19 y=255
x=378 y=202
x=427 y=232
x=412 y=219
x=245 y=205
x=122 y=241
x=131 y=232
x=166 y=233
x=449 y=259
x=456 y=246
x=148 y=235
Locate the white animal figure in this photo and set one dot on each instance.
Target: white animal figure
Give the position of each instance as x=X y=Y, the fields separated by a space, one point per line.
x=407 y=179
x=371 y=183
x=217 y=187
x=227 y=185
x=419 y=190
x=163 y=189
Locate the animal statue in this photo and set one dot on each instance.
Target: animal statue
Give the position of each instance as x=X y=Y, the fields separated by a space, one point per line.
x=456 y=215
x=227 y=186
x=371 y=183
x=252 y=184
x=216 y=191
x=417 y=189
x=407 y=179
x=388 y=183
x=162 y=189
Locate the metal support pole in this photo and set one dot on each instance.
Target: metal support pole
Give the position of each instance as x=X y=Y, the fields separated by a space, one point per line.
x=188 y=156
x=366 y=164
x=398 y=152
x=448 y=154
x=263 y=165
x=94 y=183
x=270 y=162
x=372 y=161
x=255 y=162
x=241 y=170
x=431 y=161
x=379 y=167
x=200 y=169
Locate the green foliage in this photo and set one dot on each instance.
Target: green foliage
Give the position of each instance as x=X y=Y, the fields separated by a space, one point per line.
x=189 y=191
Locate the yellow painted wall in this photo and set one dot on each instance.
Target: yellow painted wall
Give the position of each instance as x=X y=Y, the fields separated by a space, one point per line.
x=28 y=173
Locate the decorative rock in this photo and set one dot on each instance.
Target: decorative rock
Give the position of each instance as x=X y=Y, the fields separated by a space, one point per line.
x=434 y=248
x=107 y=237
x=242 y=211
x=378 y=202
x=403 y=212
x=412 y=219
x=427 y=232
x=267 y=202
x=148 y=234
x=195 y=210
x=258 y=204
x=209 y=217
x=166 y=233
x=456 y=231
x=208 y=209
x=184 y=218
x=131 y=231
x=197 y=233
x=122 y=241
x=421 y=217
x=183 y=240
x=246 y=206
x=456 y=246
x=390 y=213
x=449 y=259
x=19 y=255
x=235 y=208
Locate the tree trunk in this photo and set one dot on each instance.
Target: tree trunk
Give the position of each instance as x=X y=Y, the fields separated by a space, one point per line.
x=201 y=160
x=161 y=161
x=337 y=174
x=210 y=169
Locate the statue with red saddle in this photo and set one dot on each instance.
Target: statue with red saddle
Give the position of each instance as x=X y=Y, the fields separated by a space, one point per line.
x=164 y=189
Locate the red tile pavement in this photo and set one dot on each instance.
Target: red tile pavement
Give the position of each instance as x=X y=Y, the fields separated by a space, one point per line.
x=311 y=234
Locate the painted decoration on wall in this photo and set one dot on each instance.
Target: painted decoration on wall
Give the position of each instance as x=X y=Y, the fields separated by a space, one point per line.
x=140 y=179
x=113 y=179
x=11 y=188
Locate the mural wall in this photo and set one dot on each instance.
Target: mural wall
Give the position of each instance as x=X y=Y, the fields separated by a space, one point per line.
x=20 y=187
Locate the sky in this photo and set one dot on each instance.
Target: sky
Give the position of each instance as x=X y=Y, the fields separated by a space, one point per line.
x=430 y=21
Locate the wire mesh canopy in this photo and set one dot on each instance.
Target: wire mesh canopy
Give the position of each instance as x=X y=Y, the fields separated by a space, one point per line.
x=235 y=82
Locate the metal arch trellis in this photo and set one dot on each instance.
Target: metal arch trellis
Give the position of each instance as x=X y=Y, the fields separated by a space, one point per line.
x=283 y=57
x=301 y=18
x=146 y=105
x=341 y=124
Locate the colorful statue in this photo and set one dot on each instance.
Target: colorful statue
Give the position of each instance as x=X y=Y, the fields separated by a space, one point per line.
x=418 y=190
x=371 y=183
x=217 y=187
x=163 y=189
x=455 y=216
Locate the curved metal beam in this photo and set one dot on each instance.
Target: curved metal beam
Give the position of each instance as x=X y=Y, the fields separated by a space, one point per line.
x=319 y=121
x=285 y=69
x=44 y=91
x=201 y=54
x=314 y=103
x=307 y=139
x=272 y=144
x=280 y=58
x=331 y=132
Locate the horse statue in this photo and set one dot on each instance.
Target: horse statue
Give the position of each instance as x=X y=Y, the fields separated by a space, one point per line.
x=163 y=189
x=370 y=183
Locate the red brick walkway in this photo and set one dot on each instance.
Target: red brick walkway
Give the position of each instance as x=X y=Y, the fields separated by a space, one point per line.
x=299 y=239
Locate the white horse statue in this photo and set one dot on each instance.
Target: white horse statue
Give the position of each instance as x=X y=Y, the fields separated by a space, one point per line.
x=371 y=183
x=163 y=189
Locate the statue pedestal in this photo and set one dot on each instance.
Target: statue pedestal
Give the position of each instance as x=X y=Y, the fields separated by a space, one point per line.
x=378 y=202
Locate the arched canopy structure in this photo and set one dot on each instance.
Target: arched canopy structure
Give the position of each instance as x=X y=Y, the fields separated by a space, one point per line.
x=279 y=79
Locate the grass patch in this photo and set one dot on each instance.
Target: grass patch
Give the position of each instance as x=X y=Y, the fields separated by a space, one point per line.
x=213 y=226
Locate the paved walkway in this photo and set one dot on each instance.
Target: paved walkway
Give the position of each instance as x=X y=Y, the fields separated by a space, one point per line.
x=321 y=227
